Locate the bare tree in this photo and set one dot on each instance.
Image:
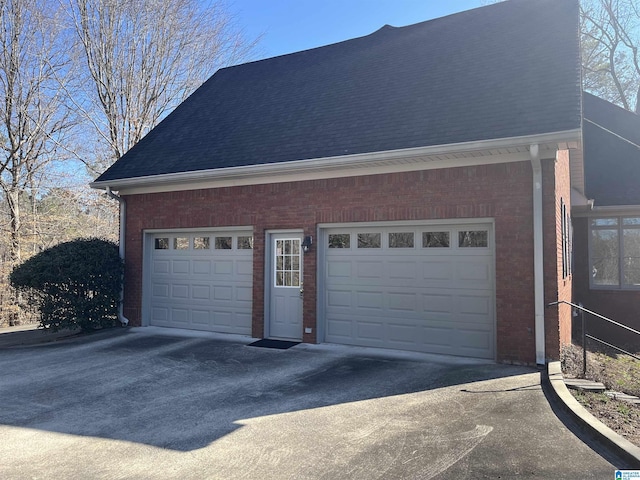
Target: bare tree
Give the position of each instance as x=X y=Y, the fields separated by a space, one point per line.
x=142 y=59
x=610 y=57
x=33 y=115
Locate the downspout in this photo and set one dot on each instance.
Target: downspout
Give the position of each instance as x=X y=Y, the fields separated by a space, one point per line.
x=123 y=217
x=538 y=254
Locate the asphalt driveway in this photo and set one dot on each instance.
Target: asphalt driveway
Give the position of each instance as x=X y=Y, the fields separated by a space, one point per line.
x=141 y=404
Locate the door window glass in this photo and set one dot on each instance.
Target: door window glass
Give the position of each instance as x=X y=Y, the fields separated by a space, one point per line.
x=287 y=262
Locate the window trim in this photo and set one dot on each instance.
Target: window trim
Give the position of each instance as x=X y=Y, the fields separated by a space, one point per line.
x=619 y=227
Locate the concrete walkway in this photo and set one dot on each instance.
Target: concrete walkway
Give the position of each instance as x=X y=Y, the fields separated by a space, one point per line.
x=147 y=403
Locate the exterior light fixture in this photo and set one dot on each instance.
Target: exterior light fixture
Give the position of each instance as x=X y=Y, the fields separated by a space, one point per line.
x=306 y=244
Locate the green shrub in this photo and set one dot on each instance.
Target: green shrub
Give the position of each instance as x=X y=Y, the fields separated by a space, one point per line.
x=74 y=284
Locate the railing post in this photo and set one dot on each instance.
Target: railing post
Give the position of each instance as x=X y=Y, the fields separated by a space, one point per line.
x=584 y=344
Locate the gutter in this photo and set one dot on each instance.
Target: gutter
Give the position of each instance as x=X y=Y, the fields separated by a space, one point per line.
x=538 y=254
x=418 y=156
x=123 y=217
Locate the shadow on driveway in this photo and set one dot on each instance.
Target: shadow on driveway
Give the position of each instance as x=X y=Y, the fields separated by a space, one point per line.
x=185 y=393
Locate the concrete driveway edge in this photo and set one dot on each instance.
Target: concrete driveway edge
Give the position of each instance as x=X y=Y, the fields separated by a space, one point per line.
x=618 y=444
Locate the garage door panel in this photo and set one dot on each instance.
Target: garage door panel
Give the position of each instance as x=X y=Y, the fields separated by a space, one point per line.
x=438 y=337
x=224 y=319
x=201 y=292
x=244 y=268
x=369 y=300
x=474 y=305
x=437 y=270
x=179 y=267
x=201 y=267
x=437 y=303
x=160 y=314
x=402 y=270
x=180 y=315
x=179 y=291
x=339 y=328
x=402 y=302
x=200 y=317
x=194 y=285
x=339 y=268
x=473 y=343
x=161 y=266
x=405 y=334
x=370 y=330
x=369 y=270
x=473 y=272
x=160 y=290
x=222 y=293
x=223 y=267
x=339 y=298
x=438 y=300
x=244 y=294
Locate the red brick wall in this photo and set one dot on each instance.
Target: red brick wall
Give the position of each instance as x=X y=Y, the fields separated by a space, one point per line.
x=556 y=188
x=502 y=192
x=623 y=306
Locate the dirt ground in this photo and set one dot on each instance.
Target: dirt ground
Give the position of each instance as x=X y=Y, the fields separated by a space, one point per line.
x=617 y=372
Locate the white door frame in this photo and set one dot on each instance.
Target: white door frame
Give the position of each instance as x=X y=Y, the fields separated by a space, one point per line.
x=268 y=270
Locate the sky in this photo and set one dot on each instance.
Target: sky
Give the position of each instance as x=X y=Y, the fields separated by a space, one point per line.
x=289 y=26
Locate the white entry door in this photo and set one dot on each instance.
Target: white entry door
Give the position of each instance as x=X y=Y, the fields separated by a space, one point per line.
x=286 y=289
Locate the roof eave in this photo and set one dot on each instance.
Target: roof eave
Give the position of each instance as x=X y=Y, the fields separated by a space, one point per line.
x=420 y=158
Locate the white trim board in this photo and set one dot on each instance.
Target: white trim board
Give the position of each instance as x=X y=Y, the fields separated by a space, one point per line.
x=483 y=152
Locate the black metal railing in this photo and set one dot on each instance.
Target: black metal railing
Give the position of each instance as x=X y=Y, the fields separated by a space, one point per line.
x=585 y=335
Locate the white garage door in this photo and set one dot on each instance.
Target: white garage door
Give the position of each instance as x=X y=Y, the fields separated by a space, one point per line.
x=422 y=288
x=201 y=281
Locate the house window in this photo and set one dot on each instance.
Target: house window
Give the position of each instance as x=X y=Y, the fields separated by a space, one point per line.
x=567 y=235
x=614 y=252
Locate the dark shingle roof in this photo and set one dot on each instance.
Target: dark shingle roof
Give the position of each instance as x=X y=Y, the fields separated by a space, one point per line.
x=504 y=70
x=611 y=164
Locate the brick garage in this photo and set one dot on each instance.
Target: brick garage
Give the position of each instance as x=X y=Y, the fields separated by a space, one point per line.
x=501 y=192
x=407 y=126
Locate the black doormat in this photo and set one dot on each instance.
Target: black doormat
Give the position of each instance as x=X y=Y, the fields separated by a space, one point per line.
x=268 y=343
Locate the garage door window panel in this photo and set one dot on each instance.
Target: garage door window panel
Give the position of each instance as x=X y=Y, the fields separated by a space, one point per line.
x=202 y=243
x=369 y=240
x=223 y=243
x=401 y=240
x=339 y=240
x=161 y=243
x=181 y=243
x=245 y=242
x=435 y=240
x=473 y=239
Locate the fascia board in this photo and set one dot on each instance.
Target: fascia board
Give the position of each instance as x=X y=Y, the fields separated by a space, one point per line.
x=419 y=158
x=609 y=210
